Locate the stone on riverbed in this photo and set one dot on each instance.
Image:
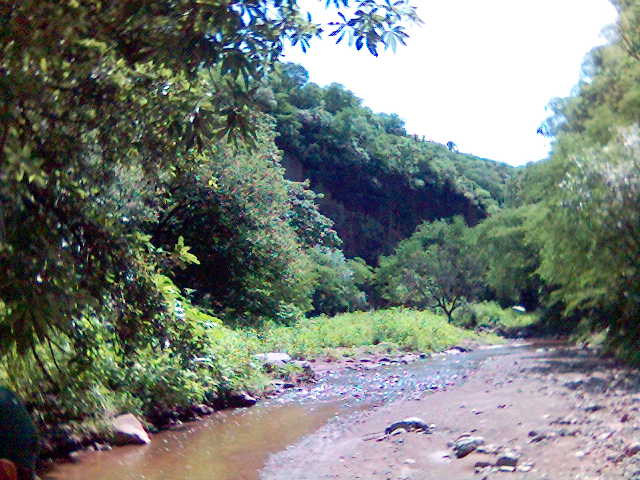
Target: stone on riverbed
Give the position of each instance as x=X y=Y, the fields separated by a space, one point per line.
x=632 y=449
x=464 y=445
x=456 y=350
x=274 y=359
x=412 y=423
x=508 y=458
x=128 y=430
x=240 y=399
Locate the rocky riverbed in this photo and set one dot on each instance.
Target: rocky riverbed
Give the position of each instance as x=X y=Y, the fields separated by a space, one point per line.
x=546 y=412
x=522 y=411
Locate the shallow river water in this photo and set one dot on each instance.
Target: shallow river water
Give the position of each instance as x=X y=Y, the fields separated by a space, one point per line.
x=235 y=444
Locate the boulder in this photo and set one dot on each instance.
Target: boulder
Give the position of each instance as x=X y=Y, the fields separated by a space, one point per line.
x=127 y=430
x=274 y=359
x=508 y=458
x=240 y=399
x=594 y=408
x=408 y=424
x=456 y=350
x=202 y=409
x=632 y=449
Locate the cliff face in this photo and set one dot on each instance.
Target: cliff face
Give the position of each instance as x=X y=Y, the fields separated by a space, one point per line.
x=373 y=212
x=379 y=182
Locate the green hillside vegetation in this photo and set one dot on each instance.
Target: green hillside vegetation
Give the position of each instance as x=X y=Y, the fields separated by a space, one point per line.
x=379 y=183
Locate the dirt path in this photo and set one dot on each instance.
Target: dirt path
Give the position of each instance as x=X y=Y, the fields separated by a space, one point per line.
x=562 y=412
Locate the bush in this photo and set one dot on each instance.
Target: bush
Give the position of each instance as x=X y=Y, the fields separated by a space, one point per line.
x=490 y=315
x=409 y=330
x=202 y=357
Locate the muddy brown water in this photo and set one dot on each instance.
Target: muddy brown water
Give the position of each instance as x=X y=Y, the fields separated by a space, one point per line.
x=235 y=444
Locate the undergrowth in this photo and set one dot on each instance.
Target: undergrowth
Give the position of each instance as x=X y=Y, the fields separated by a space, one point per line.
x=403 y=329
x=208 y=359
x=490 y=315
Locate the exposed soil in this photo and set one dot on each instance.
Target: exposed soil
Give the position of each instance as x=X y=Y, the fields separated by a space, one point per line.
x=563 y=412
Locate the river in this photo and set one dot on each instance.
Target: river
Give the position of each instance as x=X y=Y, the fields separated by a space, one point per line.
x=236 y=444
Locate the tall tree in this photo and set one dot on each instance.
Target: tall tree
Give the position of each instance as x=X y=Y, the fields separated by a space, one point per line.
x=95 y=91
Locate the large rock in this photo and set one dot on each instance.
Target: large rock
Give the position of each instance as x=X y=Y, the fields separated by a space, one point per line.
x=632 y=449
x=409 y=424
x=456 y=350
x=127 y=429
x=508 y=458
x=240 y=399
x=274 y=359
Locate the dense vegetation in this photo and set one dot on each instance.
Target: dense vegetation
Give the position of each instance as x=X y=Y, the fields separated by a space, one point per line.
x=141 y=194
x=157 y=229
x=379 y=183
x=570 y=240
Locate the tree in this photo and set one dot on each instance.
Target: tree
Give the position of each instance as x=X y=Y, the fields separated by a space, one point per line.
x=508 y=249
x=435 y=268
x=249 y=228
x=96 y=95
x=340 y=283
x=591 y=232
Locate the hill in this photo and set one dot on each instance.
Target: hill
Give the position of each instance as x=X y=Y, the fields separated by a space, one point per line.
x=379 y=183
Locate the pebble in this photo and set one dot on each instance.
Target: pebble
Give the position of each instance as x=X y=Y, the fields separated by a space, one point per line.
x=594 y=408
x=525 y=467
x=467 y=444
x=632 y=449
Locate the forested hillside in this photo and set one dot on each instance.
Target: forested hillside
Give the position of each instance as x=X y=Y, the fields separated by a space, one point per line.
x=378 y=182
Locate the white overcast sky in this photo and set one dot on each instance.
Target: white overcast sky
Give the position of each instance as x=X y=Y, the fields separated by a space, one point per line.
x=478 y=72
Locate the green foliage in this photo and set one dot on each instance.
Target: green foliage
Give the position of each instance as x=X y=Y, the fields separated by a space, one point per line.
x=582 y=229
x=590 y=248
x=105 y=105
x=198 y=358
x=437 y=267
x=247 y=226
x=491 y=316
x=339 y=282
x=380 y=183
x=511 y=255
x=409 y=330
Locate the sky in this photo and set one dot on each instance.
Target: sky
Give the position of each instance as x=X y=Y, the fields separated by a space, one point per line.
x=479 y=73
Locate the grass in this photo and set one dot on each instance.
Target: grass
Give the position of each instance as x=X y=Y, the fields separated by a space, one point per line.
x=491 y=315
x=156 y=379
x=391 y=329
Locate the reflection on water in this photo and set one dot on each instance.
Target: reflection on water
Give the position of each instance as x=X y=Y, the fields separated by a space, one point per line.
x=235 y=444
x=231 y=445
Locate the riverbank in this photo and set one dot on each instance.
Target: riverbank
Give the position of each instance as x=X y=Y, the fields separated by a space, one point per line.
x=164 y=399
x=550 y=412
x=236 y=443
